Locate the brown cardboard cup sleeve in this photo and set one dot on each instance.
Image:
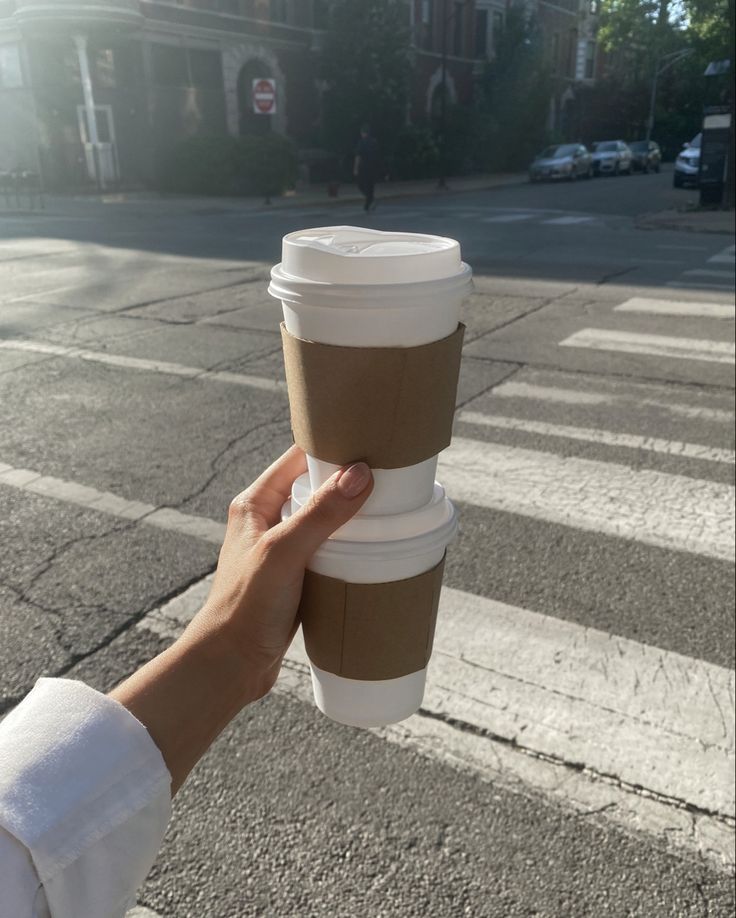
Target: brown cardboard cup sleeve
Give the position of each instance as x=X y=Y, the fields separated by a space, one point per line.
x=389 y=406
x=370 y=631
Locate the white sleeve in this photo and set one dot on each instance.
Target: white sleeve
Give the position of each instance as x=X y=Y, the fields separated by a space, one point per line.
x=85 y=798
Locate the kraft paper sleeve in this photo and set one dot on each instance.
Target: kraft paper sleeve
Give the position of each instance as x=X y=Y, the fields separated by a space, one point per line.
x=388 y=406
x=370 y=630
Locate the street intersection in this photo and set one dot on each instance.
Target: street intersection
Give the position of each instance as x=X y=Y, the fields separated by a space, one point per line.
x=575 y=752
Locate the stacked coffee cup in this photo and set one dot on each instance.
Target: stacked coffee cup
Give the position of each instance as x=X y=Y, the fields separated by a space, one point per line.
x=372 y=345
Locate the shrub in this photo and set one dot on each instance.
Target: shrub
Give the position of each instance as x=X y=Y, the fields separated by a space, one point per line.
x=220 y=165
x=201 y=165
x=266 y=164
x=415 y=155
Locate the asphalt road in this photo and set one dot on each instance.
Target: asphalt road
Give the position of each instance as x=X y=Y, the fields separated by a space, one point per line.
x=593 y=467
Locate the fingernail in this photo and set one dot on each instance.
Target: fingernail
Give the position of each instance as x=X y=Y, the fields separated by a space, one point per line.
x=354 y=480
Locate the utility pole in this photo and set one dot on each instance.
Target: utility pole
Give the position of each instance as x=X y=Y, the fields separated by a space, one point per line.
x=441 y=183
x=662 y=64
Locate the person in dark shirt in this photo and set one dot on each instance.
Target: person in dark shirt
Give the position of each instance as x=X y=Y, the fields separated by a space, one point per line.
x=365 y=167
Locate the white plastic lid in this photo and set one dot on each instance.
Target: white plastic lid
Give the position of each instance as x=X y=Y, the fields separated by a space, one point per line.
x=413 y=532
x=355 y=255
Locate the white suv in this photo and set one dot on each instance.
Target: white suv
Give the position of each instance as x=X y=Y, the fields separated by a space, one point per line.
x=687 y=163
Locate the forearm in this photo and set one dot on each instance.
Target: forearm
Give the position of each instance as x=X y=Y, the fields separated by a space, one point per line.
x=188 y=694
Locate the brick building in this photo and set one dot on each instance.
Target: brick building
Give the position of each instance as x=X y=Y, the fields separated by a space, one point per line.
x=103 y=88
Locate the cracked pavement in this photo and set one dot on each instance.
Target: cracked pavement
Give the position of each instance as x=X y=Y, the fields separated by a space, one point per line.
x=290 y=814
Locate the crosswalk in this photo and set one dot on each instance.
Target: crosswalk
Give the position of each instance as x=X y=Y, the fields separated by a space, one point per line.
x=717 y=273
x=524 y=695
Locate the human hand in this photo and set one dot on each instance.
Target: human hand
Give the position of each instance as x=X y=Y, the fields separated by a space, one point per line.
x=258 y=583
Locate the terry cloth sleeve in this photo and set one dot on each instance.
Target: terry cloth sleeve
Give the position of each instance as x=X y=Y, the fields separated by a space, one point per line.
x=85 y=798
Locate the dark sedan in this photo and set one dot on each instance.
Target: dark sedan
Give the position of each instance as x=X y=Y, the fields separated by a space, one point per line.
x=645 y=155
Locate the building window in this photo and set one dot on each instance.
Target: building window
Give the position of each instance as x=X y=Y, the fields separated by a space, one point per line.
x=481 y=33
x=458 y=27
x=103 y=68
x=555 y=53
x=277 y=11
x=205 y=68
x=169 y=65
x=590 y=60
x=321 y=14
x=428 y=23
x=497 y=27
x=571 y=51
x=11 y=74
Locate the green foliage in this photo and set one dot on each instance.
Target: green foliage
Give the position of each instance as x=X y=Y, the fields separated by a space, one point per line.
x=513 y=102
x=221 y=165
x=201 y=165
x=366 y=67
x=266 y=164
x=416 y=154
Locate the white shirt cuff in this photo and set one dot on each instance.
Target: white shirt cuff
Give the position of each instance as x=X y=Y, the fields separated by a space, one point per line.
x=85 y=789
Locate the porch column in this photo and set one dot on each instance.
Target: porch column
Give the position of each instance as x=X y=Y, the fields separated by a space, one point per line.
x=90 y=115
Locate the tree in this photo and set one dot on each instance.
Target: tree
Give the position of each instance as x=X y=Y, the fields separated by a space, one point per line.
x=366 y=68
x=514 y=95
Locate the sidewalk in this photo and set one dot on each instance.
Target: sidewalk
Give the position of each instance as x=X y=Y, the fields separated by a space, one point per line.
x=695 y=221
x=311 y=196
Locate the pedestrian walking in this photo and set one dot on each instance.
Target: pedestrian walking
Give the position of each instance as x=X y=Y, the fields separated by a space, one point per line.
x=366 y=165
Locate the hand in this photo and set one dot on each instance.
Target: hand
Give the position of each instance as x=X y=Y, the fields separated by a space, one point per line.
x=258 y=583
x=231 y=652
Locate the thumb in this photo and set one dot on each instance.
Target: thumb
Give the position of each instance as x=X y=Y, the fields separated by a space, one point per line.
x=332 y=505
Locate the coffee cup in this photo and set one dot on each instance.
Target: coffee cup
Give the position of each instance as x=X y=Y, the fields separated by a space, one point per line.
x=369 y=606
x=355 y=287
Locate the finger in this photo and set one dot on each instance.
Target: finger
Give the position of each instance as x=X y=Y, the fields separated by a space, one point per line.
x=330 y=507
x=270 y=491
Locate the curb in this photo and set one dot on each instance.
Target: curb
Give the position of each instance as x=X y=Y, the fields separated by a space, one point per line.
x=294 y=202
x=652 y=222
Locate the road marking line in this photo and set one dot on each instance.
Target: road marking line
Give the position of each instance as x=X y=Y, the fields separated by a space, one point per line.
x=507 y=218
x=685 y=248
x=138 y=363
x=568 y=221
x=603 y=339
x=707 y=272
x=514 y=389
x=638 y=719
x=641 y=716
x=683 y=285
x=656 y=508
x=641 y=505
x=509 y=389
x=112 y=504
x=605 y=437
x=677 y=308
x=722 y=259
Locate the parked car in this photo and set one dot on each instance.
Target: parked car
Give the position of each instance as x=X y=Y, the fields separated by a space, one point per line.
x=645 y=155
x=687 y=163
x=565 y=161
x=611 y=157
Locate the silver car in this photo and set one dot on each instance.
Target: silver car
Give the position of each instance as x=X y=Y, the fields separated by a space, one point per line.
x=566 y=161
x=687 y=163
x=611 y=157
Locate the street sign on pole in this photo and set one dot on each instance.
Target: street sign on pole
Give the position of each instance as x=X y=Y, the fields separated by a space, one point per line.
x=264 y=96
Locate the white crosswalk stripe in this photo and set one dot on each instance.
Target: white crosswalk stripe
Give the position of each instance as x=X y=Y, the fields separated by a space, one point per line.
x=603 y=339
x=650 y=306
x=568 y=221
x=606 y=437
x=554 y=691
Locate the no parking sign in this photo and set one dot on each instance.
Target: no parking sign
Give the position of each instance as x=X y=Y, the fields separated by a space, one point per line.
x=264 y=96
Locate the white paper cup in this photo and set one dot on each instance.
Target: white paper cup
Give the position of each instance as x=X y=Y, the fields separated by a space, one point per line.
x=377 y=550
x=394 y=490
x=357 y=287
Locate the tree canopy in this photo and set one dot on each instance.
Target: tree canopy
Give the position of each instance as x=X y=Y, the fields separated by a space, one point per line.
x=366 y=69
